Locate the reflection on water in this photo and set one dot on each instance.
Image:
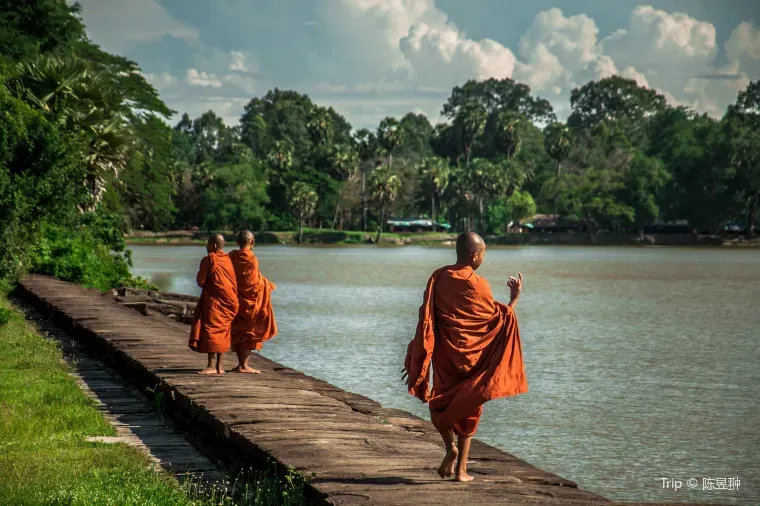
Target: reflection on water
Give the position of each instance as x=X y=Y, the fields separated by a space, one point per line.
x=642 y=363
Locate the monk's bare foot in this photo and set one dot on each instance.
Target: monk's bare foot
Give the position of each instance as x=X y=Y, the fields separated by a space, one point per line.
x=220 y=371
x=248 y=370
x=449 y=462
x=208 y=370
x=463 y=477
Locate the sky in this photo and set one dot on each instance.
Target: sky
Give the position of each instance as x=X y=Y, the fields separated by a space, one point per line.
x=370 y=59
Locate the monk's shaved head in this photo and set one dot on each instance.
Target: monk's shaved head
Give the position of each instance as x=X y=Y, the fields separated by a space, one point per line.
x=245 y=238
x=470 y=249
x=215 y=243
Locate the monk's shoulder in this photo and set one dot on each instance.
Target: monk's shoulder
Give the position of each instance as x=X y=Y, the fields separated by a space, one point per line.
x=481 y=286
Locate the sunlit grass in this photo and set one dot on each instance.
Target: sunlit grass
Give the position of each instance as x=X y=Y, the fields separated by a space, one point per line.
x=45 y=458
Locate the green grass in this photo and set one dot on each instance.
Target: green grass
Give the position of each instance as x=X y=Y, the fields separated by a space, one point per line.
x=46 y=460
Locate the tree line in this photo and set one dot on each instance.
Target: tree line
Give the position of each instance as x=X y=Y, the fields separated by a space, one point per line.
x=87 y=146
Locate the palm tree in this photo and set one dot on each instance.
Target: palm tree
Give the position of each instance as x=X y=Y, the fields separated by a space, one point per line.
x=435 y=173
x=82 y=101
x=469 y=123
x=509 y=134
x=303 y=201
x=343 y=162
x=484 y=180
x=280 y=158
x=368 y=148
x=390 y=136
x=320 y=126
x=557 y=144
x=385 y=187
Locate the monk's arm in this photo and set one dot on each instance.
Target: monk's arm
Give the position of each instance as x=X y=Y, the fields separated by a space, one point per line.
x=202 y=272
x=513 y=301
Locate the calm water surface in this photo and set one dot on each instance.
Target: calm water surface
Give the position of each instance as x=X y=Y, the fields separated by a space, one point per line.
x=642 y=364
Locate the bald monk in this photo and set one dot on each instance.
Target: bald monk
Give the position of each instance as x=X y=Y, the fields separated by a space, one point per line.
x=474 y=344
x=254 y=323
x=217 y=306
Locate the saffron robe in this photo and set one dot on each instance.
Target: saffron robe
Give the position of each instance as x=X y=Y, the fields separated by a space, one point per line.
x=217 y=306
x=254 y=323
x=474 y=345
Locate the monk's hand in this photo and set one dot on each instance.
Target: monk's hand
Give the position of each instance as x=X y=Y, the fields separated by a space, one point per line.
x=515 y=286
x=405 y=375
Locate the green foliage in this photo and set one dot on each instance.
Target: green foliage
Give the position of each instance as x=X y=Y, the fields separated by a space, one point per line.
x=502 y=211
x=37 y=166
x=235 y=197
x=78 y=255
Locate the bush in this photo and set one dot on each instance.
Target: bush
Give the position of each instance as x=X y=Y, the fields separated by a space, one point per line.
x=80 y=255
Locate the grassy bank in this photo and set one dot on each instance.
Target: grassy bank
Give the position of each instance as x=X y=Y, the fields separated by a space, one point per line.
x=310 y=236
x=45 y=458
x=344 y=237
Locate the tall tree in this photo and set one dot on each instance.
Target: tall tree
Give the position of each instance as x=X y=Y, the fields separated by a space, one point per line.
x=743 y=124
x=303 y=201
x=435 y=175
x=385 y=187
x=389 y=137
x=615 y=99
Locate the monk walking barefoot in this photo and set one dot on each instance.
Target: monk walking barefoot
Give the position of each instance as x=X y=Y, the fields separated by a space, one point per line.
x=254 y=323
x=217 y=306
x=474 y=345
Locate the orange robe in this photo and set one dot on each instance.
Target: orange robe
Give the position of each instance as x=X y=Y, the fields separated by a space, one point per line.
x=474 y=344
x=217 y=306
x=254 y=323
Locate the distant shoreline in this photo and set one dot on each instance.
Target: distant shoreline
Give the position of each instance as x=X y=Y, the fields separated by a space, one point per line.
x=336 y=237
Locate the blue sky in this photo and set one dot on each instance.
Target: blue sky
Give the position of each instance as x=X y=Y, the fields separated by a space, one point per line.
x=374 y=58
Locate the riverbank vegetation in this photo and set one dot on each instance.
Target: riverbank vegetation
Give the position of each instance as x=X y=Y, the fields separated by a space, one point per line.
x=45 y=458
x=89 y=151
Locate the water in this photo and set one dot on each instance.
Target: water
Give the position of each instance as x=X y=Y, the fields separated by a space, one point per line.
x=642 y=364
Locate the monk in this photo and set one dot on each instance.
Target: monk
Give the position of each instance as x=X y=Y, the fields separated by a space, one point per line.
x=217 y=306
x=474 y=344
x=254 y=323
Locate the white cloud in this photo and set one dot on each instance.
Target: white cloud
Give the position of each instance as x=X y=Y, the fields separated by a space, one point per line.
x=237 y=63
x=160 y=81
x=743 y=49
x=194 y=77
x=445 y=57
x=119 y=25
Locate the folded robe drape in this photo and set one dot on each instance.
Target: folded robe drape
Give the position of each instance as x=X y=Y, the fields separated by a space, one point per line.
x=217 y=305
x=474 y=345
x=255 y=323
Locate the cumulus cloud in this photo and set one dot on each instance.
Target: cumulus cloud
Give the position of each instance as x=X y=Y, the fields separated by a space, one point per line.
x=194 y=77
x=372 y=58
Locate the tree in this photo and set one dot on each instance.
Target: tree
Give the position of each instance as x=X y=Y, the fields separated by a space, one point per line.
x=38 y=162
x=146 y=186
x=236 y=197
x=644 y=182
x=743 y=124
x=82 y=101
x=484 y=180
x=368 y=149
x=493 y=95
x=385 y=187
x=344 y=164
x=389 y=137
x=615 y=99
x=303 y=201
x=435 y=176
x=557 y=144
